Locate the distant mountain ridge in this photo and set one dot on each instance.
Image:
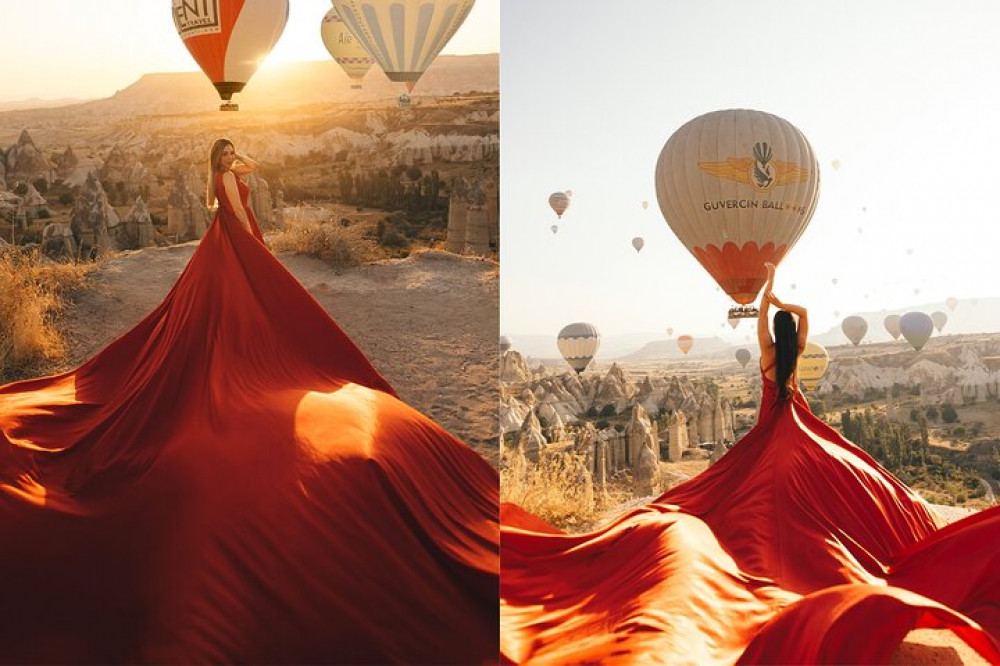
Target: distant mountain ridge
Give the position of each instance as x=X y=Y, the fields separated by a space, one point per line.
x=281 y=84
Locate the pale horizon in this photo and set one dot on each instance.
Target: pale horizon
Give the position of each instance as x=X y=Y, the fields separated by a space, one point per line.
x=67 y=65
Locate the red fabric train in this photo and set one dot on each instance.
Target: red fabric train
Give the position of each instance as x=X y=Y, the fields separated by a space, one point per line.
x=232 y=481
x=796 y=547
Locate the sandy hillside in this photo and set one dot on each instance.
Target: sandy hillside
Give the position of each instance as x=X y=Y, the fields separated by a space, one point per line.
x=428 y=323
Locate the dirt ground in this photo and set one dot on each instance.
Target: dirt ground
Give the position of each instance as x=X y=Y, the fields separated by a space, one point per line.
x=429 y=323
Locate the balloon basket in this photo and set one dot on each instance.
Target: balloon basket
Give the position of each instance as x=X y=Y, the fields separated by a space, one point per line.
x=743 y=312
x=229 y=106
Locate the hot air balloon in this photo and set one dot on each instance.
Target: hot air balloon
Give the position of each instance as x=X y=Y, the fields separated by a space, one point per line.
x=891 y=324
x=569 y=193
x=685 y=342
x=854 y=328
x=952 y=303
x=229 y=38
x=645 y=205
x=940 y=319
x=743 y=356
x=670 y=331
x=734 y=321
x=555 y=228
x=916 y=327
x=559 y=202
x=836 y=165
x=638 y=243
x=812 y=365
x=505 y=344
x=834 y=281
x=344 y=48
x=738 y=188
x=836 y=313
x=404 y=36
x=578 y=343
x=793 y=286
x=916 y=291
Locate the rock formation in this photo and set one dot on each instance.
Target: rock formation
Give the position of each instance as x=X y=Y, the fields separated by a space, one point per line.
x=58 y=241
x=260 y=202
x=26 y=162
x=458 y=210
x=530 y=440
x=187 y=216
x=66 y=163
x=93 y=221
x=513 y=368
x=477 y=224
x=137 y=227
x=677 y=436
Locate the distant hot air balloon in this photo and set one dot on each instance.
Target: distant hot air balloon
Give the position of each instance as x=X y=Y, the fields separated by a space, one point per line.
x=569 y=193
x=854 y=328
x=670 y=331
x=836 y=165
x=909 y=250
x=404 y=36
x=229 y=38
x=834 y=281
x=645 y=205
x=952 y=303
x=578 y=343
x=738 y=188
x=555 y=228
x=734 y=321
x=638 y=243
x=743 y=355
x=345 y=49
x=793 y=286
x=505 y=344
x=812 y=365
x=916 y=327
x=836 y=313
x=559 y=202
x=891 y=324
x=685 y=342
x=940 y=319
x=916 y=291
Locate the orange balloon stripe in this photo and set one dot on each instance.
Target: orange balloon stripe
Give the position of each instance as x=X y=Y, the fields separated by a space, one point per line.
x=209 y=51
x=740 y=271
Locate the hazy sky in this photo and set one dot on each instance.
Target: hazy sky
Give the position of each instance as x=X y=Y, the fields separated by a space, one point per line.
x=903 y=94
x=89 y=48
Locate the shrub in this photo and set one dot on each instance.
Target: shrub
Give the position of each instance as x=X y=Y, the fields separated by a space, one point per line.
x=948 y=413
x=330 y=243
x=608 y=411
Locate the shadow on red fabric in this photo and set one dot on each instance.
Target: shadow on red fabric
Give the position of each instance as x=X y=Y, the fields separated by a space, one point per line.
x=796 y=547
x=232 y=481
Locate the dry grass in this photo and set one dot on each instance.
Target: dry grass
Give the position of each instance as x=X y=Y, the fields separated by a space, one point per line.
x=556 y=489
x=341 y=247
x=32 y=292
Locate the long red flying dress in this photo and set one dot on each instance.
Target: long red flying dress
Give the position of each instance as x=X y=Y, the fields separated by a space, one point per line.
x=795 y=547
x=232 y=481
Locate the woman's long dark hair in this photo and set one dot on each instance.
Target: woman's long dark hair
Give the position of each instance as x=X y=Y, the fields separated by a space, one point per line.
x=786 y=350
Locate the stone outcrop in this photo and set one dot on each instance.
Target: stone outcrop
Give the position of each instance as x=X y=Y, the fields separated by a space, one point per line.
x=677 y=436
x=24 y=161
x=530 y=440
x=260 y=202
x=642 y=434
x=187 y=215
x=513 y=368
x=93 y=221
x=58 y=241
x=66 y=163
x=458 y=211
x=137 y=228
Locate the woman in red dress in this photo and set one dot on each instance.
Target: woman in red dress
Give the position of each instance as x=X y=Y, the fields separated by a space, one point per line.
x=795 y=547
x=232 y=481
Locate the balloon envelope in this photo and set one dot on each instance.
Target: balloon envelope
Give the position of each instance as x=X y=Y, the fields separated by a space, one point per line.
x=812 y=365
x=738 y=188
x=685 y=342
x=578 y=343
x=559 y=202
x=505 y=344
x=939 y=319
x=892 y=325
x=345 y=49
x=670 y=331
x=743 y=356
x=638 y=243
x=854 y=328
x=952 y=303
x=916 y=327
x=645 y=205
x=404 y=36
x=229 y=38
x=555 y=228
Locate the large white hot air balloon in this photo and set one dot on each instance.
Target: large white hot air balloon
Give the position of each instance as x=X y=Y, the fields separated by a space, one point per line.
x=578 y=343
x=940 y=319
x=345 y=48
x=229 y=38
x=738 y=188
x=892 y=325
x=916 y=327
x=638 y=243
x=404 y=36
x=743 y=356
x=854 y=328
x=812 y=365
x=559 y=203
